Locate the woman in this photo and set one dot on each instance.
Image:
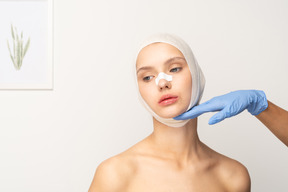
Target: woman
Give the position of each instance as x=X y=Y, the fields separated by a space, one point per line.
x=171 y=158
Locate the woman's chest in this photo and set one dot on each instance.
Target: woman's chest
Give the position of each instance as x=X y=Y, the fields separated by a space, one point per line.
x=159 y=179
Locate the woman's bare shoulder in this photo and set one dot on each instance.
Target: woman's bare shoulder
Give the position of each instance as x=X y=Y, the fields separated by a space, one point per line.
x=234 y=174
x=231 y=173
x=114 y=173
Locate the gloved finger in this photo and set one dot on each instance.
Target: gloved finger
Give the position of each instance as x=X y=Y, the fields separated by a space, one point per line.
x=208 y=106
x=218 y=117
x=191 y=114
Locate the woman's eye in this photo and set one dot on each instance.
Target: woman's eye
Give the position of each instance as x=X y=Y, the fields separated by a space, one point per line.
x=175 y=69
x=147 y=78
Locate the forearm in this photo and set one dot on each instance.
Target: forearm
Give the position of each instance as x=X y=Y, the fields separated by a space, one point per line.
x=276 y=120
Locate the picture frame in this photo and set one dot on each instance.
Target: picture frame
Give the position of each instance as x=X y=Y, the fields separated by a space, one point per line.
x=26 y=45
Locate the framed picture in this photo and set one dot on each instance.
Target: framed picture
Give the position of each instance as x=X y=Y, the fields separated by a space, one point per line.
x=26 y=44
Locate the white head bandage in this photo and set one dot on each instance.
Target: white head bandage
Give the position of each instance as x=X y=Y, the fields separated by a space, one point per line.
x=198 y=80
x=162 y=75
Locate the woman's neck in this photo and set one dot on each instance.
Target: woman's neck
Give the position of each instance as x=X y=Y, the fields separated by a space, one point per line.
x=180 y=144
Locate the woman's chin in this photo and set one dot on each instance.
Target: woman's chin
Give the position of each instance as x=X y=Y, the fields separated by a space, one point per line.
x=170 y=113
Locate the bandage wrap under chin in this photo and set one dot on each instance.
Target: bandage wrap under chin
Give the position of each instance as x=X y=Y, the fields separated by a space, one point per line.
x=198 y=79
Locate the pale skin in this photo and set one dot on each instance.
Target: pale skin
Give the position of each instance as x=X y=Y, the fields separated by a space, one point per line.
x=169 y=159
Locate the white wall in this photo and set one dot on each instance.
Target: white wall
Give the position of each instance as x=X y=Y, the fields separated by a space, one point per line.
x=54 y=140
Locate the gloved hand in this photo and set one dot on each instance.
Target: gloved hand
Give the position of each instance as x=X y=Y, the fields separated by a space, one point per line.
x=229 y=105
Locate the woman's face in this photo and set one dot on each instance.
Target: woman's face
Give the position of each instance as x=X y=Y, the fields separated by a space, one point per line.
x=169 y=98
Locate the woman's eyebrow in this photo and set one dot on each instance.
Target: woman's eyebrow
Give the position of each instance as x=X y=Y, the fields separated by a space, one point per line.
x=174 y=59
x=165 y=63
x=144 y=68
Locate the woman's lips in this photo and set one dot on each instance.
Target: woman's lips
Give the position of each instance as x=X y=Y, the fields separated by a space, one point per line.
x=167 y=100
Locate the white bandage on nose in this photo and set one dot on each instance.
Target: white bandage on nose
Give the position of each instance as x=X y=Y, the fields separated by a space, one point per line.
x=162 y=75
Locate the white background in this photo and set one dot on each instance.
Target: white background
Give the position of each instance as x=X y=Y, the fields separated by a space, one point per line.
x=54 y=140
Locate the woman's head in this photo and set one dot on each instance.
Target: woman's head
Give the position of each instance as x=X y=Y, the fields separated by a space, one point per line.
x=169 y=79
x=166 y=98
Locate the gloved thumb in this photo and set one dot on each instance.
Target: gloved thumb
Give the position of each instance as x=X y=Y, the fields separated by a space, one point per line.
x=218 y=117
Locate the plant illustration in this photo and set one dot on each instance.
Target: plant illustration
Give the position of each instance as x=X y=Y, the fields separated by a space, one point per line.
x=19 y=50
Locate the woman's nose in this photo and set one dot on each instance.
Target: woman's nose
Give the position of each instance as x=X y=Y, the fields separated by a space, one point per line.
x=164 y=84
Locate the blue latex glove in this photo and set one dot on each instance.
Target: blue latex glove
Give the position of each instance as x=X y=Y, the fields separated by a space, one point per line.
x=229 y=105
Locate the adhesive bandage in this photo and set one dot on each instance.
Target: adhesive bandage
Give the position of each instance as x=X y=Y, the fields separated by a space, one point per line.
x=162 y=75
